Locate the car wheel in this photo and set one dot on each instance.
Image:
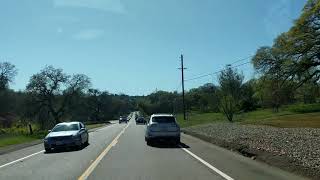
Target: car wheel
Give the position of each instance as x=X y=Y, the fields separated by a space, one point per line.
x=48 y=150
x=177 y=141
x=148 y=142
x=87 y=142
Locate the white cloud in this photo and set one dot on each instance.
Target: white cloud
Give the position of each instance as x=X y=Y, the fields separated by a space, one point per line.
x=88 y=34
x=107 y=5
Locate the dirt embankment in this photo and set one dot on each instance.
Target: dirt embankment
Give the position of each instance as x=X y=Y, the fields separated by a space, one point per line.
x=292 y=149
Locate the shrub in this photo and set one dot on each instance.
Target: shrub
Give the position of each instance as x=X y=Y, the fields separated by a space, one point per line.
x=305 y=108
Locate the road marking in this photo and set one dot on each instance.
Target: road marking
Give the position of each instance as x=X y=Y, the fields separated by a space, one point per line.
x=94 y=164
x=26 y=157
x=225 y=176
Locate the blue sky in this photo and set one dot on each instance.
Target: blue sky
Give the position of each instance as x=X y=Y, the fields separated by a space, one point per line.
x=133 y=47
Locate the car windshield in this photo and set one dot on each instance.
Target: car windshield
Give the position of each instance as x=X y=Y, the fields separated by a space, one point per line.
x=66 y=127
x=163 y=119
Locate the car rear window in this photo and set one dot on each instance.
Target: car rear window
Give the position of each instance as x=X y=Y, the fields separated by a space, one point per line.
x=66 y=127
x=163 y=119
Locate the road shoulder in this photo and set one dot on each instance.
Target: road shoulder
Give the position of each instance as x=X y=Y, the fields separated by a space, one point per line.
x=16 y=147
x=232 y=163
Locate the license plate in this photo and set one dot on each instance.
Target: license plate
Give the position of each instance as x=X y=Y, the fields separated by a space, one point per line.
x=59 y=142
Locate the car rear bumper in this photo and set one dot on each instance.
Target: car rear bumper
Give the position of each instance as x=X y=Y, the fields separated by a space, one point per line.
x=163 y=135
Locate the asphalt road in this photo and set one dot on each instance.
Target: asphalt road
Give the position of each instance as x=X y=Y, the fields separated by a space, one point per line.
x=120 y=152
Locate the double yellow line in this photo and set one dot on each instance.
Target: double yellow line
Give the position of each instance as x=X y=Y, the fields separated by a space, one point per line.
x=90 y=169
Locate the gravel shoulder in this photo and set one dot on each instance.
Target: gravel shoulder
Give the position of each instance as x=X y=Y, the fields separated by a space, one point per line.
x=293 y=149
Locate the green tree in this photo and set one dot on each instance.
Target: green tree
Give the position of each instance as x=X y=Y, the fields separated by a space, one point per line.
x=230 y=87
x=300 y=46
x=54 y=90
x=7 y=73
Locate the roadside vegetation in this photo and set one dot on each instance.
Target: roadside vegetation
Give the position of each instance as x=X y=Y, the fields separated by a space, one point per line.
x=11 y=136
x=287 y=117
x=286 y=86
x=285 y=90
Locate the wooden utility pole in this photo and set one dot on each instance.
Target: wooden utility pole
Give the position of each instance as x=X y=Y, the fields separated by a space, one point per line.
x=182 y=83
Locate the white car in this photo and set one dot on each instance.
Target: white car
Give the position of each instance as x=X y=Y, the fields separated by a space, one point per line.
x=67 y=134
x=162 y=126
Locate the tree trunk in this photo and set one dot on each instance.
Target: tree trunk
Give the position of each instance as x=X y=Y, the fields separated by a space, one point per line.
x=30 y=129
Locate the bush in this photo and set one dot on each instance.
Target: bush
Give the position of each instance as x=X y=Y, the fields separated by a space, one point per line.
x=305 y=108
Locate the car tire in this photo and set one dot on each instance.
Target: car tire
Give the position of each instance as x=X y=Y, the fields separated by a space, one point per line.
x=177 y=141
x=148 y=142
x=48 y=150
x=87 y=142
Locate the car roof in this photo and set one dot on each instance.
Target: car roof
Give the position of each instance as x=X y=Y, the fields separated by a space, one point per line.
x=162 y=115
x=68 y=123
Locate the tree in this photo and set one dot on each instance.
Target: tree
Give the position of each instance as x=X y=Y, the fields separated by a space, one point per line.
x=204 y=98
x=54 y=90
x=300 y=46
x=230 y=87
x=7 y=73
x=99 y=105
x=248 y=100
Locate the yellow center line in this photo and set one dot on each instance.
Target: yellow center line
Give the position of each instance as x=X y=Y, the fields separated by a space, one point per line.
x=90 y=169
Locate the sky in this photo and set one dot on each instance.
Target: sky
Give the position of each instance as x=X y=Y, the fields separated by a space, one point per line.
x=133 y=47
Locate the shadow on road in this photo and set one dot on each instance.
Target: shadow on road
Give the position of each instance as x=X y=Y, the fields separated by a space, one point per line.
x=67 y=149
x=166 y=144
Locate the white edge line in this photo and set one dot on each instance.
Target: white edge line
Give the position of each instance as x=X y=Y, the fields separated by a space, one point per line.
x=12 y=162
x=26 y=157
x=208 y=165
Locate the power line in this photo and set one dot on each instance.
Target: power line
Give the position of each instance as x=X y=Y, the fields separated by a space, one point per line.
x=205 y=75
x=242 y=59
x=210 y=74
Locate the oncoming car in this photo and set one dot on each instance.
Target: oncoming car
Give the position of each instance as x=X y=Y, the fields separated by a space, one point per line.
x=123 y=119
x=67 y=134
x=162 y=126
x=140 y=120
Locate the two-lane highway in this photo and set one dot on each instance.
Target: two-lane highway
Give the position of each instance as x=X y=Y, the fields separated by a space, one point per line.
x=120 y=152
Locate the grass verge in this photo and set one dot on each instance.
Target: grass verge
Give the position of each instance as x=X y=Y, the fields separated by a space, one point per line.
x=92 y=126
x=284 y=118
x=6 y=140
x=14 y=138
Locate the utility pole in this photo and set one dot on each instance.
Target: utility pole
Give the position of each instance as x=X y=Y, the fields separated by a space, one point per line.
x=182 y=83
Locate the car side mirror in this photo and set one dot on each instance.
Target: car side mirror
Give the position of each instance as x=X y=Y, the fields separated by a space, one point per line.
x=83 y=129
x=49 y=130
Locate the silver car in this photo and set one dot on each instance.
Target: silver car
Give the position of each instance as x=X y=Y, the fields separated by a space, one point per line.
x=162 y=126
x=67 y=134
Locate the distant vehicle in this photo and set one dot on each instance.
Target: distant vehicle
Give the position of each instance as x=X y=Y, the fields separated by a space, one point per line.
x=162 y=126
x=123 y=119
x=67 y=134
x=141 y=120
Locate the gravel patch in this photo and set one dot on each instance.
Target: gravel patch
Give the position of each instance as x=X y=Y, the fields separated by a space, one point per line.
x=301 y=146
